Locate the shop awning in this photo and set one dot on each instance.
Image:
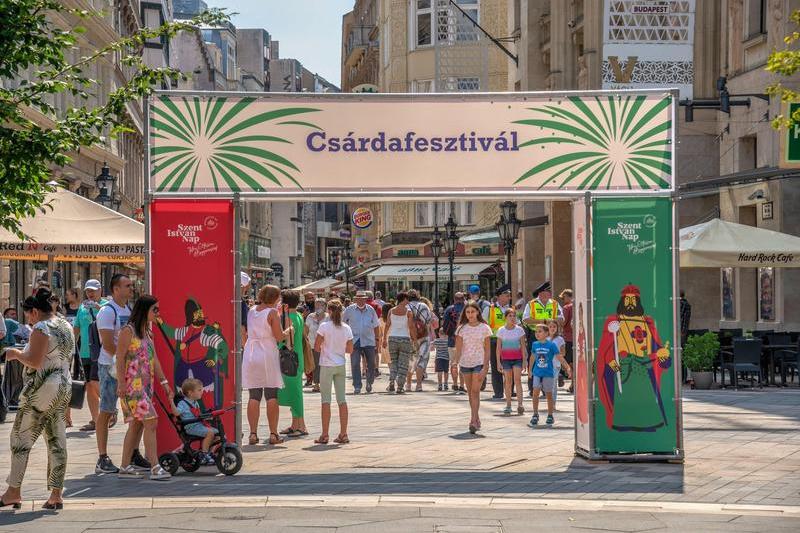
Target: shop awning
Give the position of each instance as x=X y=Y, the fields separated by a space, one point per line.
x=719 y=243
x=425 y=272
x=76 y=229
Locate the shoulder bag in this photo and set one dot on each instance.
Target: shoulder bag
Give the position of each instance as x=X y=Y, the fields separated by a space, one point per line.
x=79 y=384
x=289 y=362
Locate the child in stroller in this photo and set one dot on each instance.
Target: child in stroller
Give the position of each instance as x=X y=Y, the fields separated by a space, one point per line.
x=193 y=424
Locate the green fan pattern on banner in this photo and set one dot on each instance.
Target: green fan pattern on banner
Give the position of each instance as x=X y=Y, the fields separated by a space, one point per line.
x=618 y=141
x=205 y=132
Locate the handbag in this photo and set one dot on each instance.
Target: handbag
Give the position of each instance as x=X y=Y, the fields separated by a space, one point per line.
x=308 y=357
x=78 y=387
x=289 y=362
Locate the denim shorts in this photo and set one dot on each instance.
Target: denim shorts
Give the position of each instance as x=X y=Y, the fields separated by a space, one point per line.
x=472 y=369
x=199 y=430
x=108 y=389
x=540 y=382
x=508 y=364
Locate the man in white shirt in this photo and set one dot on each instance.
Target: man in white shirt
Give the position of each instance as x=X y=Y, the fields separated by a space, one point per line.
x=111 y=318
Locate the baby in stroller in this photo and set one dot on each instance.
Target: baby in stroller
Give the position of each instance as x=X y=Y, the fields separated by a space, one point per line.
x=188 y=408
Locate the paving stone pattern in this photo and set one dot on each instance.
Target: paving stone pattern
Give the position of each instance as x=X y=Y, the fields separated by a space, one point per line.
x=742 y=447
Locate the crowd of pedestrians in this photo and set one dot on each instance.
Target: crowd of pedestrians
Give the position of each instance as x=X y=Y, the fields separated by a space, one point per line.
x=108 y=343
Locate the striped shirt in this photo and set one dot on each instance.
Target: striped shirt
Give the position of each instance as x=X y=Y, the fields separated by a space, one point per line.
x=441 y=348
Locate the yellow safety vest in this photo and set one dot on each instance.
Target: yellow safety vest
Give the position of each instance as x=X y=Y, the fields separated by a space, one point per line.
x=543 y=312
x=497 y=319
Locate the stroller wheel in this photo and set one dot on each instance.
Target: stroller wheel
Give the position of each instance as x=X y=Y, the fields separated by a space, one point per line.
x=192 y=463
x=170 y=462
x=229 y=459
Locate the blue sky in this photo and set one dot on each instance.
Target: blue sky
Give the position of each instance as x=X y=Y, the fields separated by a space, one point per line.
x=308 y=30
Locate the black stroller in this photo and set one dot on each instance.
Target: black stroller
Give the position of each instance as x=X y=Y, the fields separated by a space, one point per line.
x=227 y=455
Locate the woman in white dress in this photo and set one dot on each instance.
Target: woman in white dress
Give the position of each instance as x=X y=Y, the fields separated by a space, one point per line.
x=261 y=366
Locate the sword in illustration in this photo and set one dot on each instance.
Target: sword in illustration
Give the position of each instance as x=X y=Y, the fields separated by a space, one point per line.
x=613 y=328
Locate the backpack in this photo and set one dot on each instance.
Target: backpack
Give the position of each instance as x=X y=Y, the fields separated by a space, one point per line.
x=420 y=324
x=450 y=322
x=95 y=343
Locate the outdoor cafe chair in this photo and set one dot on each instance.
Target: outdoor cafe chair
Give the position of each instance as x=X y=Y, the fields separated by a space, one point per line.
x=788 y=360
x=745 y=358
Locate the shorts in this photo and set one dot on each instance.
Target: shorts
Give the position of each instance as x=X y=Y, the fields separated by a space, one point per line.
x=424 y=354
x=108 y=389
x=270 y=393
x=509 y=364
x=199 y=430
x=540 y=382
x=85 y=370
x=332 y=377
x=472 y=369
x=442 y=365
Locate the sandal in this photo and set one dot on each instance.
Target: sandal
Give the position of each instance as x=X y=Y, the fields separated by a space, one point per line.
x=520 y=410
x=287 y=431
x=342 y=439
x=252 y=440
x=88 y=427
x=323 y=439
x=274 y=439
x=112 y=421
x=297 y=433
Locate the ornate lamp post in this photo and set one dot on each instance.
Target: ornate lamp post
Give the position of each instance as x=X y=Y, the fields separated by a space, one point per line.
x=436 y=250
x=451 y=245
x=508 y=229
x=347 y=260
x=106 y=184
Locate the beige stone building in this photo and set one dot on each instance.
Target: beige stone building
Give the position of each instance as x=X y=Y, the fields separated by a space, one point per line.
x=560 y=45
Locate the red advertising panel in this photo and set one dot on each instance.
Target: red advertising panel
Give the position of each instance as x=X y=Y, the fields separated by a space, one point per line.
x=192 y=274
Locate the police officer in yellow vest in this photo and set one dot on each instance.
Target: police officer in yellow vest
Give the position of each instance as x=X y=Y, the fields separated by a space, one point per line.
x=494 y=315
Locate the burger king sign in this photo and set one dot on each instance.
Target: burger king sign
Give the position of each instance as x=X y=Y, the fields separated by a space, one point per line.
x=362 y=218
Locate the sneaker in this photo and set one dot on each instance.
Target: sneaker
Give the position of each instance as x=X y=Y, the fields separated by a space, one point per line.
x=441 y=387
x=105 y=466
x=159 y=474
x=400 y=390
x=390 y=388
x=419 y=388
x=549 y=420
x=140 y=462
x=445 y=387
x=356 y=391
x=208 y=460
x=507 y=410
x=129 y=472
x=534 y=420
x=369 y=388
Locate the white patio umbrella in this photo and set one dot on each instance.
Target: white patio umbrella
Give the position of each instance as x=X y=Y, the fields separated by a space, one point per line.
x=719 y=243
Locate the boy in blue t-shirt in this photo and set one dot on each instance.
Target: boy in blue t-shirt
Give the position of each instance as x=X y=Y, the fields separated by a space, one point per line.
x=543 y=352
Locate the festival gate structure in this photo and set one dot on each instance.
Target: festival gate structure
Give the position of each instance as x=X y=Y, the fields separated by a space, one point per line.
x=611 y=153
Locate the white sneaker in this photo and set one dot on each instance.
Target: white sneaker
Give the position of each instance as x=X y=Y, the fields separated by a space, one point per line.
x=129 y=472
x=159 y=474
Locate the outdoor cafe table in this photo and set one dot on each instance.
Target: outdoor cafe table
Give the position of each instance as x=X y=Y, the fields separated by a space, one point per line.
x=772 y=348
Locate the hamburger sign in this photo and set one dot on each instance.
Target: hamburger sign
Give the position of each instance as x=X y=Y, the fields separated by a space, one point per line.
x=362 y=218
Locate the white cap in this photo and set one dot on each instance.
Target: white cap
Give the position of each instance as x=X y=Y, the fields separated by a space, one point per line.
x=92 y=284
x=244 y=279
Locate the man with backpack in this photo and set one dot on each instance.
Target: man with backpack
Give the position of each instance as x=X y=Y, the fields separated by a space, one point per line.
x=111 y=318
x=87 y=314
x=423 y=319
x=450 y=324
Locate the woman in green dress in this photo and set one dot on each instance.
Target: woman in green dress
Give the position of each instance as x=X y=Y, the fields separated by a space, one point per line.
x=291 y=395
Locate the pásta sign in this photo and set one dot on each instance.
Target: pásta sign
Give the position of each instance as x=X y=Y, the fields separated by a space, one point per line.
x=362 y=217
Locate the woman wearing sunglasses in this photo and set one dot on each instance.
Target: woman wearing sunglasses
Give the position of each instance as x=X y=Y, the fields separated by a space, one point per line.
x=137 y=370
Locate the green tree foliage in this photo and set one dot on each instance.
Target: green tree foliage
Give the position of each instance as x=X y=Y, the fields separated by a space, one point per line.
x=31 y=43
x=785 y=63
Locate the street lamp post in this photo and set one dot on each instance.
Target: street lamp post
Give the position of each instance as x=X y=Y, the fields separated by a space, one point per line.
x=347 y=258
x=451 y=244
x=508 y=229
x=106 y=185
x=436 y=250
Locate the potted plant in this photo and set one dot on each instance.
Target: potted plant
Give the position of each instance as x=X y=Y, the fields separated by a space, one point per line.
x=698 y=356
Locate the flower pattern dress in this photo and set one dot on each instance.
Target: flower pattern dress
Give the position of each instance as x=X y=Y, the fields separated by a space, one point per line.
x=139 y=374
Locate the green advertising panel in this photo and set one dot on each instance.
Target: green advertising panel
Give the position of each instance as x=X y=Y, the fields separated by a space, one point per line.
x=633 y=326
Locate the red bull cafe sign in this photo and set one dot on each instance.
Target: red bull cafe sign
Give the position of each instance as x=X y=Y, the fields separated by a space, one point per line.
x=610 y=153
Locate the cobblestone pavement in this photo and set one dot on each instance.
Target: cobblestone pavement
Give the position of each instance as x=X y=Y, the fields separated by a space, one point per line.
x=388 y=519
x=741 y=448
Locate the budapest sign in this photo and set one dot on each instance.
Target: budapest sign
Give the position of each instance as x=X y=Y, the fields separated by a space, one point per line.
x=404 y=143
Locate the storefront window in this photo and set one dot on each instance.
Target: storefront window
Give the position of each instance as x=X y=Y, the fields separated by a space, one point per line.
x=766 y=294
x=728 y=294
